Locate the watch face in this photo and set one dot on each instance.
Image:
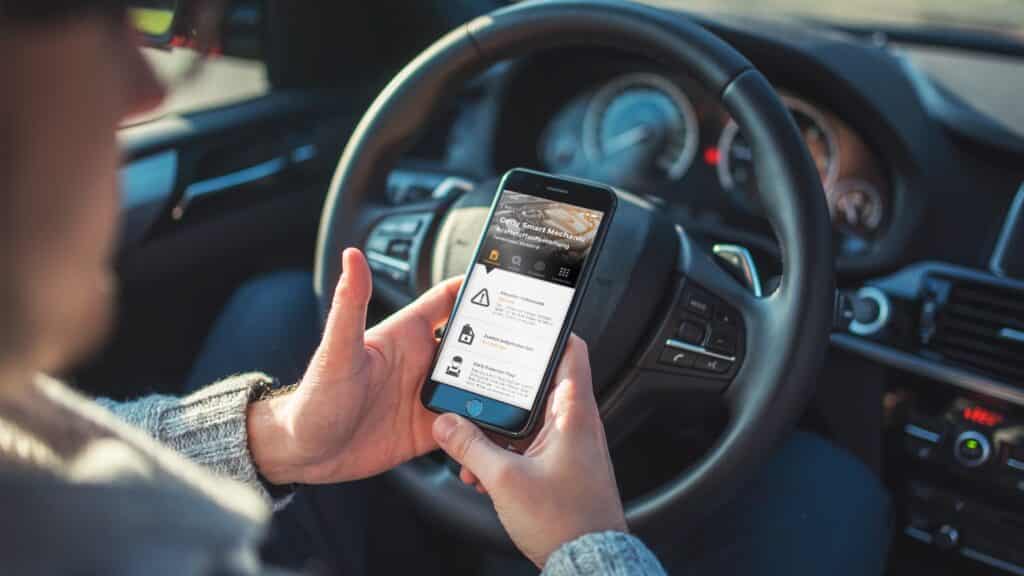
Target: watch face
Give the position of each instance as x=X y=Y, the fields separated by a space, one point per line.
x=270 y=389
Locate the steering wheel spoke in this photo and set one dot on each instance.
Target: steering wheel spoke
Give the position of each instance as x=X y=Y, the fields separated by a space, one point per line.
x=699 y=346
x=702 y=339
x=397 y=237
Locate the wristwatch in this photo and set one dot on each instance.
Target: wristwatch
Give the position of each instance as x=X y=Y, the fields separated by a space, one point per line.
x=267 y=389
x=263 y=390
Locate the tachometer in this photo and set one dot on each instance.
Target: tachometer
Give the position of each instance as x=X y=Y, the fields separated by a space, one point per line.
x=856 y=207
x=736 y=164
x=643 y=113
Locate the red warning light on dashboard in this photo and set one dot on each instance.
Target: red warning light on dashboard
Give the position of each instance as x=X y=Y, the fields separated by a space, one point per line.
x=981 y=416
x=712 y=156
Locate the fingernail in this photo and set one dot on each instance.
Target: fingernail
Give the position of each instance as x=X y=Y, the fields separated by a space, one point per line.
x=444 y=427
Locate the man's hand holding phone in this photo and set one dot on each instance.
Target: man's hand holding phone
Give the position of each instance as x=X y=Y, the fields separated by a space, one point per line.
x=563 y=485
x=357 y=412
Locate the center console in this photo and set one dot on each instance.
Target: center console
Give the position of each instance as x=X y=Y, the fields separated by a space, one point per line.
x=954 y=412
x=962 y=462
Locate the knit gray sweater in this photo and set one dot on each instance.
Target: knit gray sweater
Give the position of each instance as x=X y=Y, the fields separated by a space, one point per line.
x=173 y=491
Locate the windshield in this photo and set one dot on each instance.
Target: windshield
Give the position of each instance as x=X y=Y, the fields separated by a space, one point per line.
x=999 y=16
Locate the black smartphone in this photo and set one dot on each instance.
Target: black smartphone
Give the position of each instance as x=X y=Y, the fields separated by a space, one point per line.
x=514 y=314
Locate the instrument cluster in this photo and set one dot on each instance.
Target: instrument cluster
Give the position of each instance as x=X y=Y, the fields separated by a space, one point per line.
x=667 y=137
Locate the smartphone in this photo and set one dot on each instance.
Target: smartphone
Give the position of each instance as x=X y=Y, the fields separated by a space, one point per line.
x=515 y=311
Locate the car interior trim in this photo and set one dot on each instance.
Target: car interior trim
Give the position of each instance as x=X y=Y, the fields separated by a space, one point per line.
x=922 y=434
x=680 y=345
x=929 y=368
x=1010 y=224
x=254 y=173
x=244 y=176
x=918 y=534
x=388 y=261
x=1011 y=334
x=992 y=561
x=148 y=179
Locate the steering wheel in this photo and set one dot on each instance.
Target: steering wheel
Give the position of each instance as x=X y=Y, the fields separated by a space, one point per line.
x=761 y=354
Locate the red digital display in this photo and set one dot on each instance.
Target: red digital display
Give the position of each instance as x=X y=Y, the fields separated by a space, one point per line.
x=982 y=416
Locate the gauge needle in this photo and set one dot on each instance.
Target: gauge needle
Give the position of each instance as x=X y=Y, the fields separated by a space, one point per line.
x=627 y=139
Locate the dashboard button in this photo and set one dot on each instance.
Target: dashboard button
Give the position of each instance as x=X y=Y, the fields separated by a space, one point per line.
x=972 y=449
x=677 y=358
x=698 y=303
x=691 y=332
x=711 y=364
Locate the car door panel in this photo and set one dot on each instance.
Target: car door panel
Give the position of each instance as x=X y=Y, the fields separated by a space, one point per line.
x=209 y=202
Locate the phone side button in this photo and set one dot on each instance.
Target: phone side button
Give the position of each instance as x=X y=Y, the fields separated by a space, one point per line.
x=676 y=357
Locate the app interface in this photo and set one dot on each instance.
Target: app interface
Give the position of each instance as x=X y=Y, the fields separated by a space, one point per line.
x=516 y=298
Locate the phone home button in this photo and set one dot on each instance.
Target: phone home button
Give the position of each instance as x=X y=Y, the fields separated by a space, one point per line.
x=474 y=407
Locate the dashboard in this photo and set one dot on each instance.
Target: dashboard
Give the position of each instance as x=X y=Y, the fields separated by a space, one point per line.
x=606 y=115
x=909 y=171
x=666 y=137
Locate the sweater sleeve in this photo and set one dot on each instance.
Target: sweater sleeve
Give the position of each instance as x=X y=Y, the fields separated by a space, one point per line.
x=603 y=554
x=208 y=426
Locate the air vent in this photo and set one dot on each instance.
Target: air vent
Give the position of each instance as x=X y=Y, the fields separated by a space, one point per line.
x=975 y=325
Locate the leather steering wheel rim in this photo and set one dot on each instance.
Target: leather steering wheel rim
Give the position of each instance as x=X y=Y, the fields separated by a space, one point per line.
x=787 y=345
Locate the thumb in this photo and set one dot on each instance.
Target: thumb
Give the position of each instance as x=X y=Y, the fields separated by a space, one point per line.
x=468 y=446
x=346 y=322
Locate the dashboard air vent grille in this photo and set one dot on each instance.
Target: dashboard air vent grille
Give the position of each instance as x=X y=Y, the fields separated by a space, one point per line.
x=977 y=325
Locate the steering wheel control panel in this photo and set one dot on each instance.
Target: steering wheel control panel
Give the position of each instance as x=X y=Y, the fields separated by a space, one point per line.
x=393 y=244
x=972 y=503
x=704 y=337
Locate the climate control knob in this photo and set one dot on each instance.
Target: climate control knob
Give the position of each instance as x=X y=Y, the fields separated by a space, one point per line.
x=972 y=449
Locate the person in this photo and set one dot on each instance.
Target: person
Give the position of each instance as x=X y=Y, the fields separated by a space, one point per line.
x=165 y=485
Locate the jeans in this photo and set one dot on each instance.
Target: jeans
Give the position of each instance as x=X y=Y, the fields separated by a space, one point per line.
x=812 y=509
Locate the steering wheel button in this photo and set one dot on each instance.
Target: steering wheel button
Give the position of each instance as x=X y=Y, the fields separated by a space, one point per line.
x=399 y=249
x=677 y=358
x=377 y=243
x=691 y=332
x=711 y=364
x=407 y=226
x=723 y=340
x=698 y=303
x=725 y=316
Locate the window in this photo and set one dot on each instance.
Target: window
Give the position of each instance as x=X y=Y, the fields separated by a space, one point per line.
x=221 y=81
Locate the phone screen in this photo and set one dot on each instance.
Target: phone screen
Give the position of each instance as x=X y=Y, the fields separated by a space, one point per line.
x=515 y=301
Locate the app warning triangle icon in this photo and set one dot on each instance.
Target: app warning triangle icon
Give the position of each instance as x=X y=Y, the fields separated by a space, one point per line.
x=482 y=298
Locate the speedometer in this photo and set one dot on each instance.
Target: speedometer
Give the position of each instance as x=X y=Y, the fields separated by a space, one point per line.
x=736 y=167
x=642 y=114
